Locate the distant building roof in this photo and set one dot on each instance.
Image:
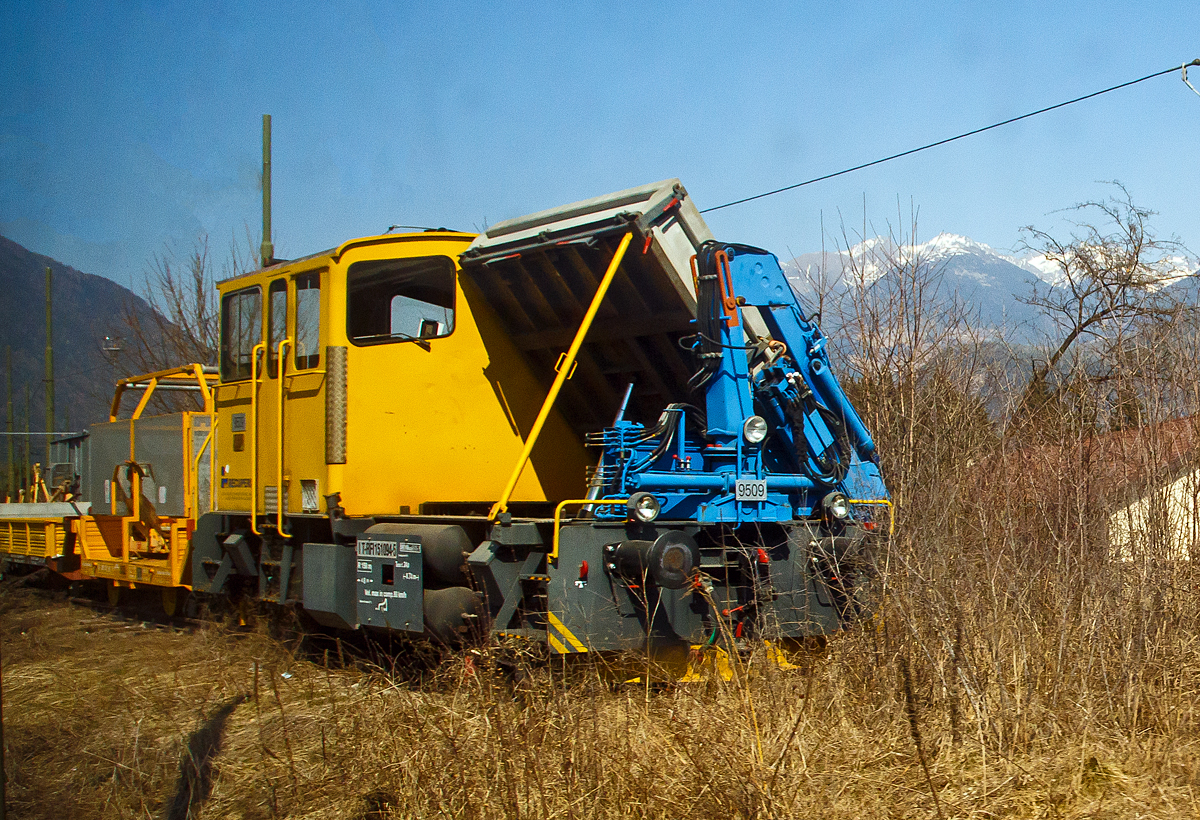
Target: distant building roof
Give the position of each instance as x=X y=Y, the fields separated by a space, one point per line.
x=1112 y=467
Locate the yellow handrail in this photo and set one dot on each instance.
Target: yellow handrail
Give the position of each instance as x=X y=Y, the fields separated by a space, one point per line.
x=135 y=511
x=195 y=478
x=137 y=413
x=212 y=463
x=566 y=367
x=283 y=344
x=881 y=502
x=198 y=372
x=174 y=376
x=254 y=436
x=558 y=516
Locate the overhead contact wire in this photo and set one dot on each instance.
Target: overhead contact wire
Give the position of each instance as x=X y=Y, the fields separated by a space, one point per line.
x=972 y=133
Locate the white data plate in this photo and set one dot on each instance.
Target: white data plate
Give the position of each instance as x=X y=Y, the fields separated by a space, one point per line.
x=750 y=489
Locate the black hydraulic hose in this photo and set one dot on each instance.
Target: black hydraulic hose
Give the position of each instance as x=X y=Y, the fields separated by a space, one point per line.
x=668 y=427
x=709 y=315
x=713 y=342
x=841 y=442
x=831 y=470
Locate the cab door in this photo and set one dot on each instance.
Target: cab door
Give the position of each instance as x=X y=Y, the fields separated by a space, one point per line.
x=242 y=346
x=291 y=410
x=301 y=474
x=269 y=404
x=271 y=400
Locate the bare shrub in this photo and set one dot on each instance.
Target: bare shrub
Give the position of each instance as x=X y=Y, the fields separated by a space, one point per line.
x=1110 y=292
x=183 y=325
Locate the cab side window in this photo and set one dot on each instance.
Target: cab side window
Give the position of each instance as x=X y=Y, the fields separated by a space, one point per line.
x=400 y=300
x=241 y=330
x=308 y=321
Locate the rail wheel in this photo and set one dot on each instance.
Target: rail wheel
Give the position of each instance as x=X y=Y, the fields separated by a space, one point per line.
x=114 y=594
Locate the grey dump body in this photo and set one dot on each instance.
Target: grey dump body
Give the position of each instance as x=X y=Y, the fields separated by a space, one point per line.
x=540 y=272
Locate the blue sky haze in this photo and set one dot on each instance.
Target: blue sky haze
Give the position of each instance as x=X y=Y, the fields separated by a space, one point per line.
x=130 y=129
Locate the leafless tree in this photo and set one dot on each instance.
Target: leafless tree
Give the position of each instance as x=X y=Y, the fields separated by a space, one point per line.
x=183 y=323
x=913 y=353
x=184 y=326
x=1112 y=271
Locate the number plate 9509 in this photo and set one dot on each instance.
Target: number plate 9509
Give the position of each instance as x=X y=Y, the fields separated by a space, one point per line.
x=751 y=489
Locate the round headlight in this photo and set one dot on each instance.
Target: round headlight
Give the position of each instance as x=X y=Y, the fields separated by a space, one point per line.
x=755 y=429
x=836 y=506
x=644 y=507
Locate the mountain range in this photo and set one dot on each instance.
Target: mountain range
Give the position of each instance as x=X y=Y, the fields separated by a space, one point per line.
x=87 y=310
x=990 y=286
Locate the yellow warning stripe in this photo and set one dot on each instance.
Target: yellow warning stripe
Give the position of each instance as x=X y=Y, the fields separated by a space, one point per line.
x=556 y=644
x=575 y=643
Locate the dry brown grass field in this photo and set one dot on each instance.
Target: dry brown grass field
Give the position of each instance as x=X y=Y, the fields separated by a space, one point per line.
x=1023 y=710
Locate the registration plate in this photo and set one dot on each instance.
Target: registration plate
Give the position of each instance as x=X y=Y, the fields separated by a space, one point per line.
x=384 y=547
x=749 y=489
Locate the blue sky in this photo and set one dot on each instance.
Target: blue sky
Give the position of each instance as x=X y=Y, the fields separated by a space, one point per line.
x=127 y=129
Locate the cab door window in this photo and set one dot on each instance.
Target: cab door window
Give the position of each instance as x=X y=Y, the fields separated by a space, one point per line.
x=241 y=330
x=277 y=327
x=308 y=321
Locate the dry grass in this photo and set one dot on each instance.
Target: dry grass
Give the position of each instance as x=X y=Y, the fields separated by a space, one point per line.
x=98 y=709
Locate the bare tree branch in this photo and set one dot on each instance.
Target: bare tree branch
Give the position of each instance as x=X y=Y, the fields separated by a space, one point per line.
x=183 y=325
x=1113 y=271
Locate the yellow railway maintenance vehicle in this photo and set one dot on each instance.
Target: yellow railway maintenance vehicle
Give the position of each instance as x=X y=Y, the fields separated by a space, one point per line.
x=150 y=482
x=593 y=426
x=134 y=488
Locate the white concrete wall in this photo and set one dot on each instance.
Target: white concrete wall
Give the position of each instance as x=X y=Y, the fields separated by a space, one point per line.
x=1163 y=524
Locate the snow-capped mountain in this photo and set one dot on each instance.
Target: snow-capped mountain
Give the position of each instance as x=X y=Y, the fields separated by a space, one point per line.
x=990 y=284
x=871 y=258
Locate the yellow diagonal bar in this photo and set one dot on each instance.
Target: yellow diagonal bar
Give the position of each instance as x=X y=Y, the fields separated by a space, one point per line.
x=576 y=644
x=568 y=365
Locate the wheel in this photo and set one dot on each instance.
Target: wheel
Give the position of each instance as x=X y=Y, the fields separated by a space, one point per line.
x=170 y=601
x=114 y=594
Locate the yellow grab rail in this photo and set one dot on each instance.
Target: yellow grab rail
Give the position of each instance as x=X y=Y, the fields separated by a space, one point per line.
x=880 y=502
x=558 y=516
x=195 y=478
x=149 y=382
x=175 y=377
x=137 y=413
x=283 y=344
x=565 y=368
x=254 y=436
